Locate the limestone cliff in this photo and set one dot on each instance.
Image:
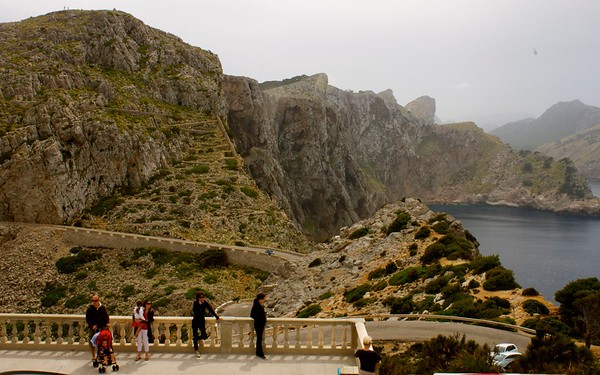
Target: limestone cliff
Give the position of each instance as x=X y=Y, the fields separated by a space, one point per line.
x=88 y=101
x=332 y=156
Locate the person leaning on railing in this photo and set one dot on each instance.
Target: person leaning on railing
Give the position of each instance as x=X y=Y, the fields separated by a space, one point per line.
x=368 y=358
x=96 y=317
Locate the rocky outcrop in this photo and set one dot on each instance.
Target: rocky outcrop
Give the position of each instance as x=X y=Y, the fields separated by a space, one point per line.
x=327 y=277
x=424 y=108
x=331 y=156
x=87 y=103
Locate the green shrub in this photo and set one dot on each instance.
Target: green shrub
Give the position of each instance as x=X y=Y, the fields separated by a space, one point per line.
x=356 y=293
x=197 y=169
x=441 y=227
x=473 y=284
x=500 y=278
x=326 y=295
x=211 y=279
x=547 y=325
x=376 y=273
x=309 y=311
x=449 y=246
x=249 y=191
x=128 y=291
x=380 y=285
x=423 y=232
x=483 y=264
x=399 y=223
x=72 y=263
x=412 y=249
x=106 y=205
x=231 y=164
x=363 y=302
x=76 y=301
x=361 y=232
x=53 y=292
x=438 y=217
x=406 y=276
x=535 y=307
x=530 y=292
x=390 y=268
x=496 y=301
x=402 y=305
x=436 y=285
x=151 y=272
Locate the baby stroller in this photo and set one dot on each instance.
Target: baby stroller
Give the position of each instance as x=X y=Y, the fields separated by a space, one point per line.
x=105 y=356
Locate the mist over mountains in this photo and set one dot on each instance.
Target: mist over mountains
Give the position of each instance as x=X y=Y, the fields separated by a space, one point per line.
x=565 y=130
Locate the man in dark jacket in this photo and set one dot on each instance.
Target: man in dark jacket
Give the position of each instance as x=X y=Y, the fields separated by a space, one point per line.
x=260 y=321
x=199 y=309
x=96 y=318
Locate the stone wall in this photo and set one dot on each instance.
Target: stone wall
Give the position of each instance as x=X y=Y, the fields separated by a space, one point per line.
x=238 y=255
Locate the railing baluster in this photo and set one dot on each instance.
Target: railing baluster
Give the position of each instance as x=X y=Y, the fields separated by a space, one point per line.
x=48 y=332
x=59 y=333
x=70 y=337
x=25 y=332
x=286 y=335
x=320 y=327
x=178 y=342
x=15 y=338
x=298 y=342
x=83 y=337
x=333 y=343
x=3 y=337
x=274 y=336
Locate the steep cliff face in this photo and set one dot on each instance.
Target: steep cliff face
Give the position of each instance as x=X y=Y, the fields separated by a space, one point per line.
x=87 y=104
x=332 y=156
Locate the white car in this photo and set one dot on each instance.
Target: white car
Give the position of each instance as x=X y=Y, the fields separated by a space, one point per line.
x=504 y=347
x=505 y=359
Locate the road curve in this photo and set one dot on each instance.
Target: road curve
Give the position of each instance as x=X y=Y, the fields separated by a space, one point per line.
x=413 y=330
x=416 y=330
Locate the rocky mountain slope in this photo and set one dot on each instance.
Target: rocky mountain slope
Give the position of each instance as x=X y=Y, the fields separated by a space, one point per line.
x=331 y=156
x=559 y=121
x=95 y=105
x=583 y=148
x=108 y=123
x=565 y=130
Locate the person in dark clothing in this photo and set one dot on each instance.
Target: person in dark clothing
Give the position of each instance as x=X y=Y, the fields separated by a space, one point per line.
x=150 y=312
x=198 y=322
x=260 y=321
x=96 y=318
x=368 y=358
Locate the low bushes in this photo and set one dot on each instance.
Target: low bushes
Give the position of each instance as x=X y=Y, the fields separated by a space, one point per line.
x=309 y=311
x=499 y=278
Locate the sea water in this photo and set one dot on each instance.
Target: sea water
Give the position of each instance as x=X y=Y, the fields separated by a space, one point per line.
x=544 y=249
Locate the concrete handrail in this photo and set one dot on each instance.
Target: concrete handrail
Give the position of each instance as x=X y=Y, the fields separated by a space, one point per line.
x=173 y=334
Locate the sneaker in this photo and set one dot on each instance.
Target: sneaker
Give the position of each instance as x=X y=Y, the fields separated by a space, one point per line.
x=197 y=354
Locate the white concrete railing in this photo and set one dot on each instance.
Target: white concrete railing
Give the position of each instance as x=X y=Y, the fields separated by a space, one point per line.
x=174 y=334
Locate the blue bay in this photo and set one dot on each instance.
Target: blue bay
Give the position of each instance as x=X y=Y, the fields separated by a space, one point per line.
x=545 y=250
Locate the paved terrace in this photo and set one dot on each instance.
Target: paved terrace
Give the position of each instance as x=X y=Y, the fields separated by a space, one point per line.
x=59 y=344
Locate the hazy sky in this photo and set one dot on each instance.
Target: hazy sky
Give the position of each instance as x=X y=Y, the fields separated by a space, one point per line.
x=477 y=58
